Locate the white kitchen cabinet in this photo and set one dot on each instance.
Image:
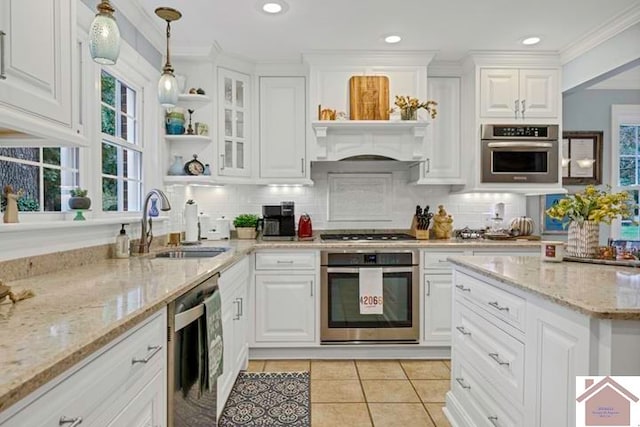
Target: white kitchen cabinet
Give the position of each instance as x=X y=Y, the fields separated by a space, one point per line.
x=519 y=93
x=101 y=389
x=36 y=72
x=442 y=163
x=285 y=308
x=282 y=127
x=437 y=309
x=234 y=125
x=234 y=288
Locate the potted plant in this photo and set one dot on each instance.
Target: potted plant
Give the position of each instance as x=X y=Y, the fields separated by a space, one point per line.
x=79 y=199
x=409 y=107
x=584 y=212
x=245 y=225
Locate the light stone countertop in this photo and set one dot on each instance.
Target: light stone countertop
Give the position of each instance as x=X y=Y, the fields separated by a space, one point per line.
x=79 y=310
x=601 y=291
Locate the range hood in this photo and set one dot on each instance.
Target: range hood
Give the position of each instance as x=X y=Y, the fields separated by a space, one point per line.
x=370 y=139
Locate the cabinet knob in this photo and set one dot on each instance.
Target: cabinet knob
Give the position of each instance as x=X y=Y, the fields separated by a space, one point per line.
x=73 y=422
x=493 y=420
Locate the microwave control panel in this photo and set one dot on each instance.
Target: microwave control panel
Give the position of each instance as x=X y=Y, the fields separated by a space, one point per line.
x=521 y=131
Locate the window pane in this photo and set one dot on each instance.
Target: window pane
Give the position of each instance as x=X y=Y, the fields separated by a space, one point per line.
x=228 y=91
x=51 y=156
x=52 y=194
x=132 y=195
x=108 y=121
x=127 y=100
x=627 y=171
x=21 y=153
x=240 y=124
x=240 y=155
x=109 y=194
x=109 y=159
x=228 y=123
x=239 y=93
x=128 y=129
x=228 y=154
x=108 y=88
x=131 y=161
x=627 y=140
x=21 y=177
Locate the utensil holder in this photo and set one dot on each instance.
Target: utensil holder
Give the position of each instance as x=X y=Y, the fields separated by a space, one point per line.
x=419 y=234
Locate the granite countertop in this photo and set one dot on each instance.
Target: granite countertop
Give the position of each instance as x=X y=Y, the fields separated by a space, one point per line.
x=79 y=310
x=601 y=291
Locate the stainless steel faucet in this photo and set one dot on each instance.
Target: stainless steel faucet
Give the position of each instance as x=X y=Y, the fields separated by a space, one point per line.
x=147 y=234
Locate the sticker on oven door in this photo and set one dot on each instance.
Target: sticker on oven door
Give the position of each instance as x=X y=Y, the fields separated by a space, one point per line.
x=370 y=283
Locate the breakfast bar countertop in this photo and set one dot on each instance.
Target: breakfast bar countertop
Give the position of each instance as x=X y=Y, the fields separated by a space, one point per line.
x=600 y=291
x=78 y=310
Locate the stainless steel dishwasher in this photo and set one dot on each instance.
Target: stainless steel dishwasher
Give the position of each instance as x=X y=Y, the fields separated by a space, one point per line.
x=189 y=404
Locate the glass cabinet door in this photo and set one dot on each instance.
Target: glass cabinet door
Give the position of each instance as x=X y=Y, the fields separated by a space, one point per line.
x=234 y=122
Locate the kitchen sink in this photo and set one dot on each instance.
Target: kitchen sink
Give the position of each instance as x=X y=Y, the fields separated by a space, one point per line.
x=187 y=252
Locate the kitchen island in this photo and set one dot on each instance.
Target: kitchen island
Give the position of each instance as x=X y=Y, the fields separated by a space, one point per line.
x=524 y=329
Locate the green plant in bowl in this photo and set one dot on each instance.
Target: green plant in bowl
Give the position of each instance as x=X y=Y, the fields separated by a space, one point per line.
x=245 y=225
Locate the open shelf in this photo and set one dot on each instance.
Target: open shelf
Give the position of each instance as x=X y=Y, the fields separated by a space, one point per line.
x=193 y=101
x=187 y=138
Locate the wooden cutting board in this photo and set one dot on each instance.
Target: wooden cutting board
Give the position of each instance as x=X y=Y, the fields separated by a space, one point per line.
x=369 y=98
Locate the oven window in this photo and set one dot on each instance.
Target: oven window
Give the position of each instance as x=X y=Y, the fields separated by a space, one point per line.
x=519 y=162
x=344 y=305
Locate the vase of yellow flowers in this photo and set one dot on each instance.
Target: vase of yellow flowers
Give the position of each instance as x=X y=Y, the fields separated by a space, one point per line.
x=409 y=107
x=584 y=212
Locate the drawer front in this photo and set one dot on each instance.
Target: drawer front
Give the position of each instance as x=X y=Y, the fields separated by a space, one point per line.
x=285 y=261
x=480 y=400
x=497 y=354
x=437 y=261
x=498 y=302
x=103 y=379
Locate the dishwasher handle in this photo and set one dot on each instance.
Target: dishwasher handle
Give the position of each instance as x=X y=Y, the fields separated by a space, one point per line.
x=185 y=318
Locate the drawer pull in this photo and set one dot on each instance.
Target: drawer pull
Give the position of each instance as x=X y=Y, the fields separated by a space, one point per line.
x=74 y=422
x=494 y=420
x=497 y=306
x=463 y=289
x=496 y=357
x=443 y=260
x=285 y=262
x=152 y=349
x=463 y=331
x=462 y=384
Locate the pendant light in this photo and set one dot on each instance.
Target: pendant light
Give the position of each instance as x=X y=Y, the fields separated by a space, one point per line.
x=168 y=85
x=104 y=35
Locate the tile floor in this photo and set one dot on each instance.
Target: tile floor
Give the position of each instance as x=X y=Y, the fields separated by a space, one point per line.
x=373 y=393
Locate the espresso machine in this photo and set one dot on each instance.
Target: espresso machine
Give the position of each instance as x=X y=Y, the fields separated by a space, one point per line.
x=278 y=221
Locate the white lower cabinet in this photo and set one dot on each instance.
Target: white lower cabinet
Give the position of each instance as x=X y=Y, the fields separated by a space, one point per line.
x=123 y=384
x=437 y=309
x=285 y=308
x=234 y=288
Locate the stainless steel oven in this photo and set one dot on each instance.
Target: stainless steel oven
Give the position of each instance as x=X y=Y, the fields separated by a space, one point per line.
x=341 y=320
x=520 y=153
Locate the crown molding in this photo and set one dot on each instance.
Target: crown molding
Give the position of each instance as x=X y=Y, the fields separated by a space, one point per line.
x=445 y=69
x=627 y=18
x=147 y=24
x=514 y=57
x=365 y=57
x=196 y=52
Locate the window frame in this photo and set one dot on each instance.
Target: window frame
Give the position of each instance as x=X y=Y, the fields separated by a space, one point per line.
x=621 y=114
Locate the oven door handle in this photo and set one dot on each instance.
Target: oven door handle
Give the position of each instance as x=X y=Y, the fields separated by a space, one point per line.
x=520 y=144
x=357 y=270
x=187 y=317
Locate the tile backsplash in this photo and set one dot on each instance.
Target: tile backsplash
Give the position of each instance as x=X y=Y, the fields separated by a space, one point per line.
x=398 y=205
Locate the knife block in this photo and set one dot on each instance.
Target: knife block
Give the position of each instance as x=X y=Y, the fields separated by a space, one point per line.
x=419 y=234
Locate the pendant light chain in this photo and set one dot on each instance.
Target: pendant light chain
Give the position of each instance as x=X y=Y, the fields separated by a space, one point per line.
x=167 y=66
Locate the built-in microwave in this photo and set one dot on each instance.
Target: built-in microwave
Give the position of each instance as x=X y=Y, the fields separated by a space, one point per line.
x=519 y=153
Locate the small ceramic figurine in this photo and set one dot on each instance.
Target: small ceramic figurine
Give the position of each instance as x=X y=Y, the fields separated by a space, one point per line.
x=11 y=210
x=442 y=224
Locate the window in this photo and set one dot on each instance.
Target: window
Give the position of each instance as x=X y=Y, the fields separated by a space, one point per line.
x=121 y=149
x=45 y=174
x=625 y=138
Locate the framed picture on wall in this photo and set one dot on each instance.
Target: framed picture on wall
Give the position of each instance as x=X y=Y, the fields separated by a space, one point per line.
x=549 y=225
x=581 y=157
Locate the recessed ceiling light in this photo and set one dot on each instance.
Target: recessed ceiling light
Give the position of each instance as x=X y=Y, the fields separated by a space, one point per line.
x=392 y=38
x=273 y=7
x=529 y=41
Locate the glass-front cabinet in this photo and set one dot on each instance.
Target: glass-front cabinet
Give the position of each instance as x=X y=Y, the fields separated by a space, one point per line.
x=234 y=125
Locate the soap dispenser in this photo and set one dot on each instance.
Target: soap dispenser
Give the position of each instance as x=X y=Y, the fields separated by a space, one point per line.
x=122 y=244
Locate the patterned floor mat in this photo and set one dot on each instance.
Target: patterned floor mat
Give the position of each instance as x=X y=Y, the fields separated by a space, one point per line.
x=268 y=399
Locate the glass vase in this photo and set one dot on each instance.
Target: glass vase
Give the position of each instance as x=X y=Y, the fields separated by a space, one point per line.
x=177 y=168
x=409 y=114
x=153 y=210
x=583 y=239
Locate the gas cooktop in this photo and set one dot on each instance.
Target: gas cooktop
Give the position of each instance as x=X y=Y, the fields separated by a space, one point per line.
x=366 y=237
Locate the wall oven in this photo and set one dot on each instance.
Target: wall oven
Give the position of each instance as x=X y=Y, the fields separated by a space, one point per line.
x=341 y=320
x=519 y=153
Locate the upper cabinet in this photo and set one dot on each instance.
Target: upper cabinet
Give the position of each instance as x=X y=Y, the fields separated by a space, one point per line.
x=518 y=93
x=282 y=127
x=234 y=127
x=36 y=39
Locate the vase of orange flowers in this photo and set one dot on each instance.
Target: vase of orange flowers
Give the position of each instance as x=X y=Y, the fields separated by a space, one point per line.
x=584 y=212
x=409 y=107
